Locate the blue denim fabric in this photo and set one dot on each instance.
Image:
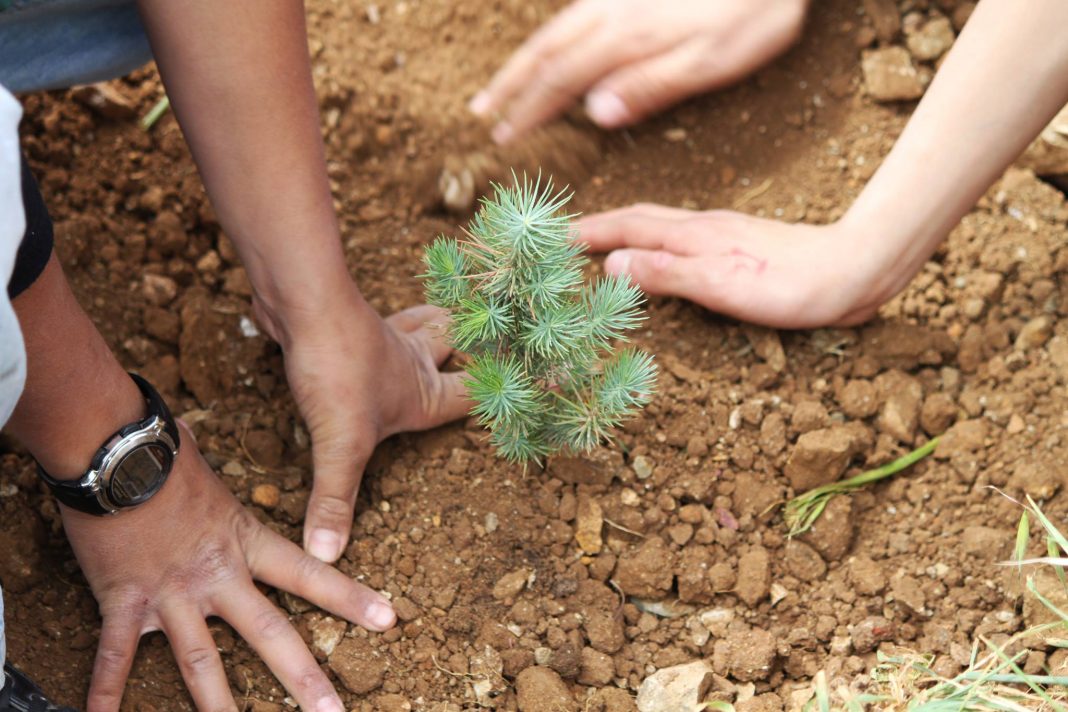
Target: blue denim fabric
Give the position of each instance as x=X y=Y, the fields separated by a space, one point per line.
x=51 y=44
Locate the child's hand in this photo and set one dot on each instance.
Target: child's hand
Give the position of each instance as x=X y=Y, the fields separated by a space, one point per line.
x=358 y=379
x=630 y=58
x=763 y=271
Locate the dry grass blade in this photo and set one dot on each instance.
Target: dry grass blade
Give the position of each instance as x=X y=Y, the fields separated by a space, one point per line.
x=801 y=512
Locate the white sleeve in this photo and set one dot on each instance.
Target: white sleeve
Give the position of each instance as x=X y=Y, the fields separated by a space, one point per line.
x=12 y=228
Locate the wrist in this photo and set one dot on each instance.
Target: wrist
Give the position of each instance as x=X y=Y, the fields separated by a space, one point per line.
x=299 y=315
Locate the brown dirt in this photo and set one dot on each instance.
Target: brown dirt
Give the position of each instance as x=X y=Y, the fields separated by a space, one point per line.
x=481 y=558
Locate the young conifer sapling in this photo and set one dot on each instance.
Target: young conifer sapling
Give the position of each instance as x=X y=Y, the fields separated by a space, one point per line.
x=545 y=372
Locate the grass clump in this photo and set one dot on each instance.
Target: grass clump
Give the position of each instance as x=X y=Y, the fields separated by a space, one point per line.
x=545 y=373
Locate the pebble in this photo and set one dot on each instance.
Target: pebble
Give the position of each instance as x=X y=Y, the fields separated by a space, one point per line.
x=938 y=413
x=889 y=75
x=931 y=40
x=159 y=290
x=646 y=572
x=358 y=666
x=265 y=447
x=746 y=655
x=680 y=687
x=1034 y=334
x=509 y=585
x=885 y=18
x=598 y=669
x=754 y=576
x=266 y=495
x=589 y=520
x=541 y=689
x=326 y=633
x=867 y=634
x=985 y=542
x=643 y=467
x=803 y=562
x=832 y=534
x=819 y=457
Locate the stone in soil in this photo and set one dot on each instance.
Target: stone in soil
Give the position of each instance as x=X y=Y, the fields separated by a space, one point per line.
x=803 y=562
x=540 y=689
x=509 y=585
x=832 y=534
x=900 y=414
x=1034 y=334
x=885 y=18
x=754 y=576
x=871 y=631
x=598 y=669
x=819 y=457
x=986 y=542
x=680 y=687
x=931 y=40
x=266 y=495
x=326 y=633
x=646 y=572
x=747 y=655
x=867 y=576
x=1040 y=479
x=358 y=666
x=889 y=75
x=589 y=519
x=938 y=413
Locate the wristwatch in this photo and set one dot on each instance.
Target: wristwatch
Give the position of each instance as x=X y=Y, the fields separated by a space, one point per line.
x=129 y=467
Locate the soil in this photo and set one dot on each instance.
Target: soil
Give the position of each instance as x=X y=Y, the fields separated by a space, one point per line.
x=564 y=588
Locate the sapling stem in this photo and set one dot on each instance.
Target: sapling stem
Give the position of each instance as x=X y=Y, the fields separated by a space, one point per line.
x=155 y=113
x=801 y=512
x=545 y=373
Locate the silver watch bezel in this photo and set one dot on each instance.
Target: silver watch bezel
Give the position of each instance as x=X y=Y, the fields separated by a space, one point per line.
x=98 y=479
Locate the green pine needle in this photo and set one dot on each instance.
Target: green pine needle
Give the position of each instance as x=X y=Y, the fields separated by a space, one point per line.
x=544 y=375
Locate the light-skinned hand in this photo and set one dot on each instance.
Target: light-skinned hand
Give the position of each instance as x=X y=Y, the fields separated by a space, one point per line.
x=783 y=275
x=191 y=552
x=631 y=58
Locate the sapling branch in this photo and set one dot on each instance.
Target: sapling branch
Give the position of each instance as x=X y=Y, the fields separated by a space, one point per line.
x=544 y=372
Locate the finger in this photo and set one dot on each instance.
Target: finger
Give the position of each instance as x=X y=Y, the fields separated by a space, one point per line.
x=651 y=227
x=198 y=658
x=560 y=81
x=562 y=30
x=270 y=634
x=328 y=521
x=280 y=563
x=417 y=317
x=662 y=272
x=114 y=656
x=451 y=401
x=641 y=88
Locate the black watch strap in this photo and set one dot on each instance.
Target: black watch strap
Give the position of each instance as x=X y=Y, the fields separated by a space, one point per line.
x=73 y=492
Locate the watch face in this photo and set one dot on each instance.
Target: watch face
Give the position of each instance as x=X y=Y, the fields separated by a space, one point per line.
x=139 y=475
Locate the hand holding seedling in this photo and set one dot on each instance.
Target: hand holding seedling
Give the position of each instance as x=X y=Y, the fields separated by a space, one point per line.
x=542 y=374
x=632 y=58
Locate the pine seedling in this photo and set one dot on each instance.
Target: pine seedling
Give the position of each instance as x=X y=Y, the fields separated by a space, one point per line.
x=545 y=373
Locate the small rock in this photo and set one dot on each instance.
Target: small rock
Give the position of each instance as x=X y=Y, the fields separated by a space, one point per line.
x=406 y=609
x=106 y=100
x=597 y=668
x=589 y=519
x=938 y=413
x=1034 y=334
x=614 y=700
x=867 y=634
x=907 y=591
x=885 y=18
x=809 y=415
x=867 y=576
x=567 y=661
x=1040 y=480
x=643 y=467
x=265 y=448
x=900 y=414
x=964 y=438
x=540 y=689
x=357 y=665
x=746 y=655
x=889 y=75
x=392 y=702
x=509 y=585
x=832 y=534
x=859 y=399
x=604 y=630
x=159 y=290
x=819 y=457
x=647 y=572
x=766 y=345
x=931 y=40
x=326 y=633
x=1035 y=613
x=803 y=562
x=754 y=576
x=266 y=495
x=985 y=542
x=680 y=687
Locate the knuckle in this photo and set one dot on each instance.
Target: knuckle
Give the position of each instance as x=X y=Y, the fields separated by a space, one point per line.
x=330 y=507
x=308 y=569
x=215 y=564
x=312 y=682
x=110 y=660
x=271 y=624
x=198 y=660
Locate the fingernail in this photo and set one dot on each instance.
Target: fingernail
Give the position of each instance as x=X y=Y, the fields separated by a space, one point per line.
x=502 y=133
x=329 y=704
x=324 y=545
x=380 y=615
x=618 y=262
x=606 y=109
x=479 y=104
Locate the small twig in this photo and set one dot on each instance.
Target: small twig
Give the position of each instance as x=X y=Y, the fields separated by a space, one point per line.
x=622 y=528
x=155 y=113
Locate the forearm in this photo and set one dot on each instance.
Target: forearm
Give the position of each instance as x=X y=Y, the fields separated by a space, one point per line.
x=239 y=78
x=1005 y=77
x=77 y=394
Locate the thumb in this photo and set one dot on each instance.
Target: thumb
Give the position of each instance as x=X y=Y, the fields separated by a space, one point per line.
x=637 y=90
x=661 y=272
x=328 y=521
